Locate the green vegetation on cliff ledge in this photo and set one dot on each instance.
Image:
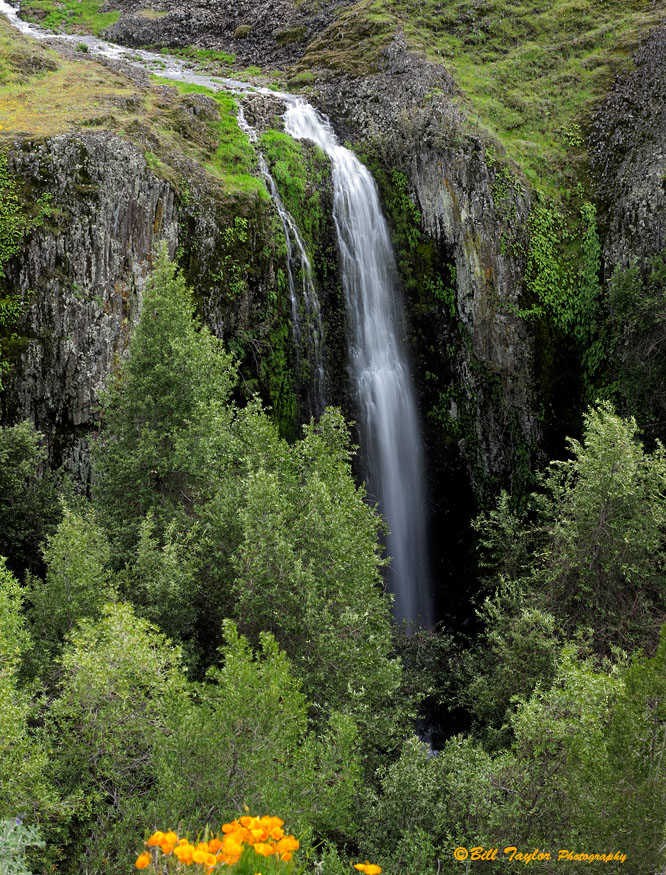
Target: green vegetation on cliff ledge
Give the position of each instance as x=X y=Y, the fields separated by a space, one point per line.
x=529 y=73
x=73 y=16
x=233 y=159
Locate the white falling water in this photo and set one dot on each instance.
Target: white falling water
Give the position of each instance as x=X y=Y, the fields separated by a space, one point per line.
x=390 y=434
x=311 y=315
x=391 y=440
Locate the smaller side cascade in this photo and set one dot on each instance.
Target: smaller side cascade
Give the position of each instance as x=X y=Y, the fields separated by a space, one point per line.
x=306 y=312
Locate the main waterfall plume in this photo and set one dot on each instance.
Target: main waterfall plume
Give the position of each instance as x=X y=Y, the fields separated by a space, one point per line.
x=391 y=445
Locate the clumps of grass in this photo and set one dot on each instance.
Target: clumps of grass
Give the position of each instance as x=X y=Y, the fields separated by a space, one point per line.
x=234 y=159
x=71 y=16
x=289 y=35
x=202 y=56
x=354 y=42
x=302 y=79
x=243 y=31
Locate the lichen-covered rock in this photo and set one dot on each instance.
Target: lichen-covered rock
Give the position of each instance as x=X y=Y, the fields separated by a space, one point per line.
x=628 y=147
x=81 y=273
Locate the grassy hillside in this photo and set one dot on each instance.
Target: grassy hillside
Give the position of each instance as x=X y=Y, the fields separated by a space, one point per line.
x=43 y=94
x=531 y=71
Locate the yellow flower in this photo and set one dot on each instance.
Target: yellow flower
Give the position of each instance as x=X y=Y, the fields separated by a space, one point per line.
x=288 y=843
x=170 y=838
x=368 y=868
x=264 y=849
x=231 y=847
x=156 y=839
x=143 y=860
x=184 y=853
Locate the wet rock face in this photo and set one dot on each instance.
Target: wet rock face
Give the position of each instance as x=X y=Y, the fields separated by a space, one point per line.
x=628 y=146
x=405 y=118
x=81 y=275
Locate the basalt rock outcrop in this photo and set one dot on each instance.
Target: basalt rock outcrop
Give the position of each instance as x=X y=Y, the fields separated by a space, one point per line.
x=82 y=272
x=628 y=148
x=273 y=33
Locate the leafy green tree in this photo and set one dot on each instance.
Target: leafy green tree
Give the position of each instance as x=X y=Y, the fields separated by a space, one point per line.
x=165 y=416
x=25 y=788
x=591 y=549
x=427 y=806
x=29 y=508
x=630 y=808
x=161 y=582
x=243 y=739
x=514 y=654
x=307 y=569
x=559 y=745
x=77 y=584
x=120 y=678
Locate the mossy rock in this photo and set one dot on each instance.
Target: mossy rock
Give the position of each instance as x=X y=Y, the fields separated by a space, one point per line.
x=289 y=35
x=305 y=77
x=243 y=31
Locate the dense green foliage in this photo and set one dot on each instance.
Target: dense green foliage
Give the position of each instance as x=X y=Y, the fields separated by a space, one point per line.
x=636 y=337
x=28 y=503
x=212 y=633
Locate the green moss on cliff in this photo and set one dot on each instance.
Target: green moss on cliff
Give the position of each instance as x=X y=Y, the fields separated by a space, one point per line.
x=298 y=170
x=72 y=16
x=530 y=73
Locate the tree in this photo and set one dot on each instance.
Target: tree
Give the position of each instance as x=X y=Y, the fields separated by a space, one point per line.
x=591 y=549
x=24 y=756
x=307 y=569
x=165 y=415
x=120 y=678
x=76 y=585
x=29 y=508
x=243 y=739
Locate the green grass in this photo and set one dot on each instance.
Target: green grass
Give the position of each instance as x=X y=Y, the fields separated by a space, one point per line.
x=234 y=159
x=530 y=72
x=72 y=16
x=203 y=57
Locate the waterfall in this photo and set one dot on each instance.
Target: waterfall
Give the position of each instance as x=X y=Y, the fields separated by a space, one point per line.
x=307 y=310
x=391 y=443
x=390 y=436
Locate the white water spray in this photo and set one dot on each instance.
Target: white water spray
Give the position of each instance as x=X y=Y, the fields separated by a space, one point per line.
x=297 y=257
x=390 y=435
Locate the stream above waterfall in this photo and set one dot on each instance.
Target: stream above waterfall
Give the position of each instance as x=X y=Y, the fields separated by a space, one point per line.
x=392 y=458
